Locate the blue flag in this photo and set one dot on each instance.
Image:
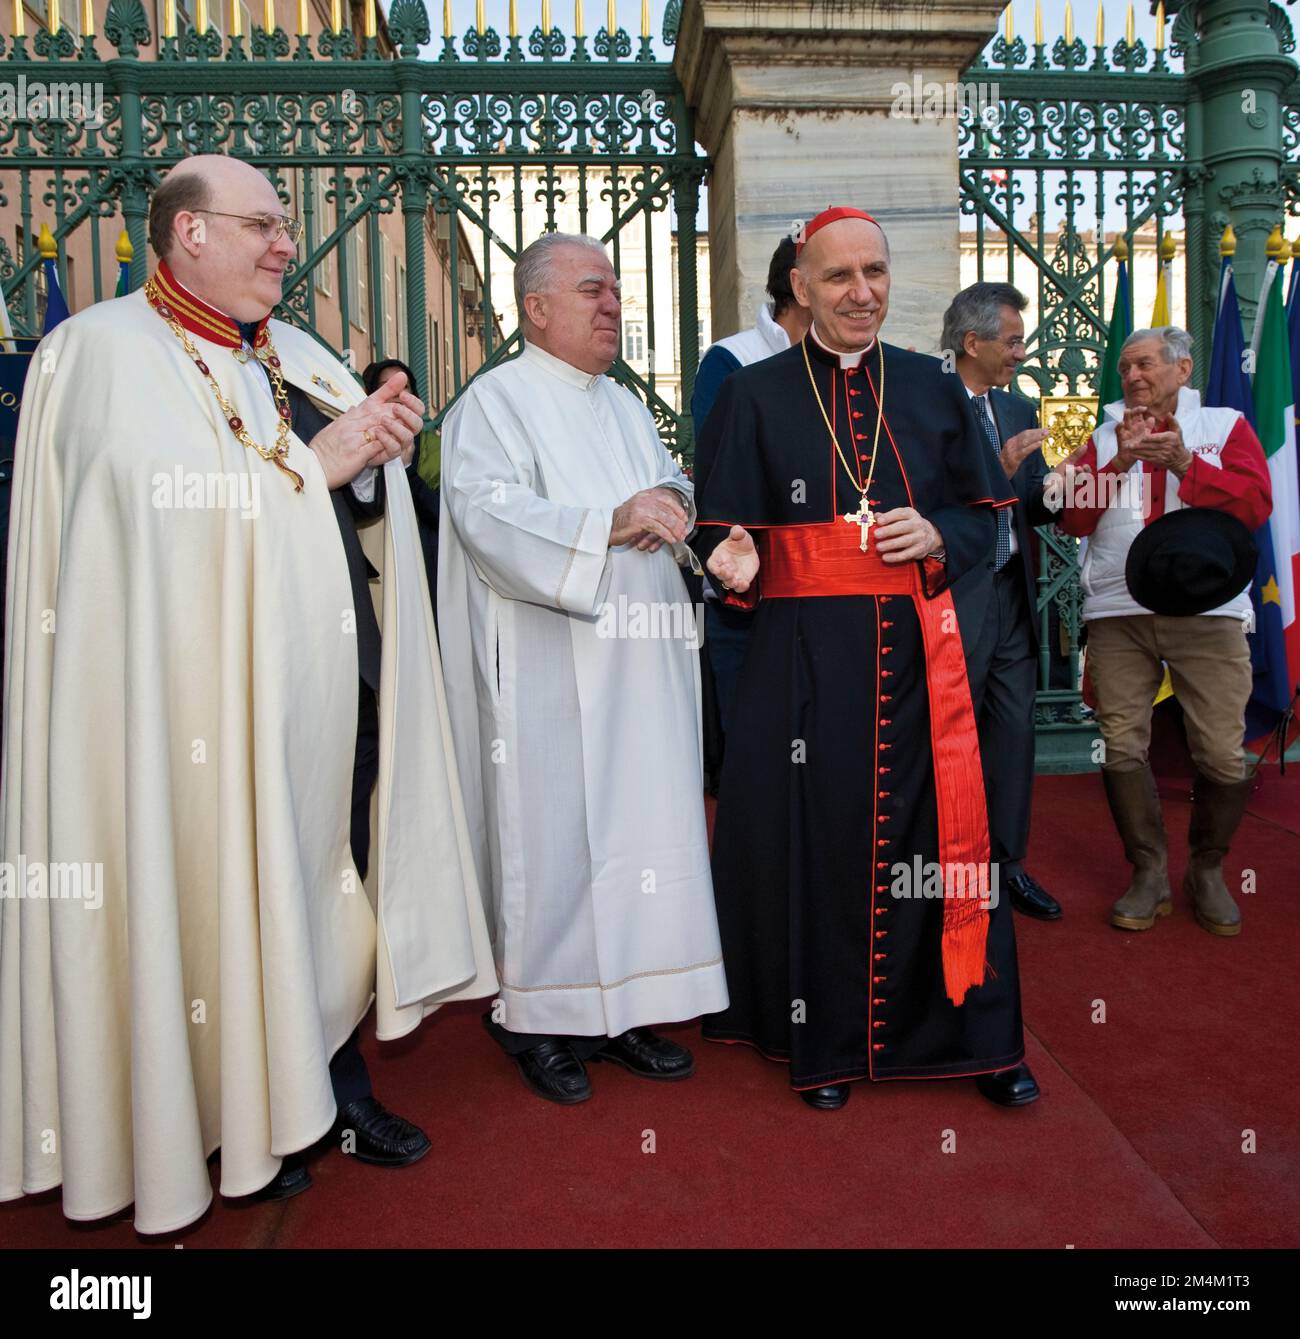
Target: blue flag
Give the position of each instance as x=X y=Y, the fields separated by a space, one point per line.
x=56 y=307
x=1229 y=387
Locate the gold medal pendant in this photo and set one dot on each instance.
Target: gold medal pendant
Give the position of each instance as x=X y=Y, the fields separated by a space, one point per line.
x=241 y=355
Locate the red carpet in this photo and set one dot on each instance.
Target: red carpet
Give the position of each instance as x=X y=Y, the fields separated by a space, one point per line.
x=1137 y=1141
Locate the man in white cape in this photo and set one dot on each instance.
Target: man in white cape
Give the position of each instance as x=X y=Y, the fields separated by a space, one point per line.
x=570 y=649
x=180 y=703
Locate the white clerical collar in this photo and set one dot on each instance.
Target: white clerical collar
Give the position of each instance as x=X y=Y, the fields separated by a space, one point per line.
x=846 y=359
x=557 y=367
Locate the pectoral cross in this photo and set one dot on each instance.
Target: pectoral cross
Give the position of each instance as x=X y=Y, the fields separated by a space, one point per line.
x=864 y=518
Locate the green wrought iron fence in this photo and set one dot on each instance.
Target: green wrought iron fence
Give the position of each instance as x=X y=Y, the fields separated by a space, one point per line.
x=493 y=139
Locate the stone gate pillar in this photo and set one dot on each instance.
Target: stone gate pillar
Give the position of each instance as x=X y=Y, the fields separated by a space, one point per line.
x=801 y=104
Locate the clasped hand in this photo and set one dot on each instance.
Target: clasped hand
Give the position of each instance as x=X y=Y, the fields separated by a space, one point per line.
x=648 y=518
x=383 y=426
x=1138 y=439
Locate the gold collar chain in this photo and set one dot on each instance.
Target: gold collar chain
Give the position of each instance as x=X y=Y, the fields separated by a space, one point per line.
x=278 y=454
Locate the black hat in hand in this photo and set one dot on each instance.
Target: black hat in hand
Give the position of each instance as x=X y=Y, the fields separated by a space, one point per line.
x=1190 y=561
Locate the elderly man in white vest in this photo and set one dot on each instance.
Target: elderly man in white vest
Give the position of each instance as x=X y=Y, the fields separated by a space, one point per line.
x=1156 y=452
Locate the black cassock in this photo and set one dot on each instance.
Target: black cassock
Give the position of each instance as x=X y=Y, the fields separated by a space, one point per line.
x=829 y=781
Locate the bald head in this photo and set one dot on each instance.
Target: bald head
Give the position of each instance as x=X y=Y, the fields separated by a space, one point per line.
x=194 y=184
x=842 y=276
x=204 y=222
x=810 y=254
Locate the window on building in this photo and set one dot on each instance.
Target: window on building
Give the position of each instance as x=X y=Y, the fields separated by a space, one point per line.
x=358 y=292
x=388 y=273
x=399 y=310
x=634 y=341
x=324 y=225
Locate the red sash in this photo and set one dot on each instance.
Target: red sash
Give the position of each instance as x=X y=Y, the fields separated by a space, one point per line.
x=814 y=560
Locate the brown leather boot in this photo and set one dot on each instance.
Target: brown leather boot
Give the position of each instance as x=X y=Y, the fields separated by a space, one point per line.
x=1216 y=812
x=1135 y=807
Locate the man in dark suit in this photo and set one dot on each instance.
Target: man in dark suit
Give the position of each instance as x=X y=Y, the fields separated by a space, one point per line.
x=372 y=1132
x=995 y=601
x=422 y=474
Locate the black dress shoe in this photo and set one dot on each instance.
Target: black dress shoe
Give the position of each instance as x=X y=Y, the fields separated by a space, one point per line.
x=639 y=1050
x=379 y=1137
x=552 y=1071
x=1015 y=1087
x=1029 y=897
x=830 y=1098
x=293 y=1179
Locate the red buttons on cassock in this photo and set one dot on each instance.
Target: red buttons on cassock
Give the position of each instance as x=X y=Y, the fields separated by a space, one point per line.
x=876 y=980
x=886 y=697
x=878 y=1022
x=880 y=934
x=877 y=1045
x=883 y=747
x=879 y=957
x=883 y=770
x=886 y=624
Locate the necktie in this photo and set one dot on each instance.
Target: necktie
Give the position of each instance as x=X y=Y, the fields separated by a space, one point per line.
x=1002 y=548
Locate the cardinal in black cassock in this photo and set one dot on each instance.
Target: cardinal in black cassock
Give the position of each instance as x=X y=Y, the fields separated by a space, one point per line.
x=860 y=934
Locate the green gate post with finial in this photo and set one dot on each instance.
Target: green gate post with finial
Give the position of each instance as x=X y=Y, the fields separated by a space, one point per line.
x=409 y=25
x=1234 y=57
x=126 y=25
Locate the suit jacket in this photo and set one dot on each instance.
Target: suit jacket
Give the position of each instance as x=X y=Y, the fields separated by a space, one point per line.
x=972 y=594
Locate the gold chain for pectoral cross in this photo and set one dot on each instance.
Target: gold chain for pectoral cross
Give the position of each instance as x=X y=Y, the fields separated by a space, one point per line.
x=853 y=474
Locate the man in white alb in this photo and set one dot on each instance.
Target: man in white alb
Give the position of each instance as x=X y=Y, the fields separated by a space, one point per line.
x=570 y=647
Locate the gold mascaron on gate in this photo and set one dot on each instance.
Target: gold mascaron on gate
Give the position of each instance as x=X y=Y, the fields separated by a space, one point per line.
x=1069 y=420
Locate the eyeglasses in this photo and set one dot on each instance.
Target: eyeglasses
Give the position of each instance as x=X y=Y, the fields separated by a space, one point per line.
x=271 y=226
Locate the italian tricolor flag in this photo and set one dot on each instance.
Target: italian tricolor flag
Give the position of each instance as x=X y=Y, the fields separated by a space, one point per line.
x=1275 y=419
